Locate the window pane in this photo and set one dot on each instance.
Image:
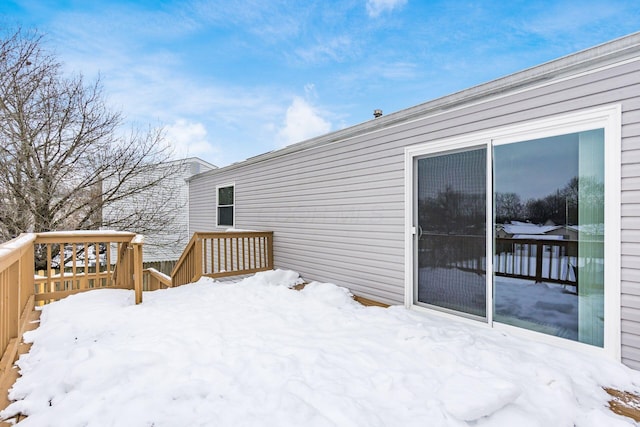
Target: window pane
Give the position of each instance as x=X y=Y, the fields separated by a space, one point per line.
x=225 y=196
x=225 y=216
x=452 y=241
x=549 y=240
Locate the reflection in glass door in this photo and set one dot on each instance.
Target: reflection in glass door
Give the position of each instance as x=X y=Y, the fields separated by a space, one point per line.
x=549 y=235
x=451 y=245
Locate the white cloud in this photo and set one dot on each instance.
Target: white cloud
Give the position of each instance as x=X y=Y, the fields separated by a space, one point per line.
x=310 y=90
x=399 y=70
x=302 y=121
x=272 y=21
x=188 y=139
x=376 y=7
x=335 y=49
x=552 y=21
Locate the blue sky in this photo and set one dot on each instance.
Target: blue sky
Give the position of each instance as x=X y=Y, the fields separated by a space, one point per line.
x=233 y=79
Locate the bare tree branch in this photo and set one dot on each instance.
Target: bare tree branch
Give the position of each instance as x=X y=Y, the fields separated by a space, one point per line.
x=64 y=160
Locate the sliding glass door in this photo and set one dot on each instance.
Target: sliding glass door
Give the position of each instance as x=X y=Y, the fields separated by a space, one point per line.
x=511 y=229
x=451 y=201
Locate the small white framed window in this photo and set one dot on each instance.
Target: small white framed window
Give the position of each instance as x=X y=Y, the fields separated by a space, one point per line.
x=225 y=200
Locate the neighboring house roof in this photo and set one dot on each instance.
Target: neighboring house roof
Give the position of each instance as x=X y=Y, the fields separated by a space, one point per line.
x=525 y=228
x=538 y=236
x=579 y=62
x=198 y=165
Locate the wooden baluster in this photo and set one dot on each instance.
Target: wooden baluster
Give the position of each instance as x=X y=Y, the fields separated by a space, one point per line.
x=271 y=261
x=254 y=255
x=50 y=283
x=217 y=269
x=108 y=263
x=137 y=271
x=213 y=251
x=226 y=258
x=74 y=250
x=243 y=249
x=204 y=255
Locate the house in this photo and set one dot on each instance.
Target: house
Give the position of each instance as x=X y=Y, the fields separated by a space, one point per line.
x=517 y=228
x=164 y=245
x=400 y=208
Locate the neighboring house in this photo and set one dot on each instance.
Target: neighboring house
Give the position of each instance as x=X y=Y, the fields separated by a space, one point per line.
x=516 y=229
x=399 y=208
x=164 y=247
x=522 y=228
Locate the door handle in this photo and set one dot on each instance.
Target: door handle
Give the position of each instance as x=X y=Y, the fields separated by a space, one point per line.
x=419 y=232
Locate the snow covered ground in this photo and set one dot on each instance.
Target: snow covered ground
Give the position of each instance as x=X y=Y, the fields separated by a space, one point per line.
x=257 y=353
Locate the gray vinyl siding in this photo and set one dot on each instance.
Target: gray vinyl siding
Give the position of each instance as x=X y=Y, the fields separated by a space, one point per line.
x=337 y=208
x=630 y=222
x=202 y=203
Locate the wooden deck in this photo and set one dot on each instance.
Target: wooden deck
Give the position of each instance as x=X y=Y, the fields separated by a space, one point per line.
x=622 y=403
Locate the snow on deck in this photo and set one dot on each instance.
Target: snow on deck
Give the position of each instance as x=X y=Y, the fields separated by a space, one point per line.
x=257 y=353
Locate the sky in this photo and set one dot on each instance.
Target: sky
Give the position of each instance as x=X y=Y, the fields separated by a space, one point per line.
x=228 y=80
x=553 y=161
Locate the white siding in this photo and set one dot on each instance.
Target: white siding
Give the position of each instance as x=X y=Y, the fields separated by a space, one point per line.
x=167 y=246
x=337 y=206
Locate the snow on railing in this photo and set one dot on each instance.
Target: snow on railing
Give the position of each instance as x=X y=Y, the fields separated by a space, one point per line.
x=223 y=254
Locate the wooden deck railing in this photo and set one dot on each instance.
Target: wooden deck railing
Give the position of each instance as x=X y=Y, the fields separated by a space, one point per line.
x=16 y=297
x=66 y=263
x=540 y=260
x=553 y=261
x=222 y=254
x=152 y=280
x=80 y=261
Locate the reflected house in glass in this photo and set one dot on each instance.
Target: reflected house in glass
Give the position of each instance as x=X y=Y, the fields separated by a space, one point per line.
x=514 y=204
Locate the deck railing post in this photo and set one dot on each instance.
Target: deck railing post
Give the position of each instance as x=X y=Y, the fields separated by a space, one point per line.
x=26 y=280
x=539 y=254
x=198 y=259
x=270 y=250
x=137 y=268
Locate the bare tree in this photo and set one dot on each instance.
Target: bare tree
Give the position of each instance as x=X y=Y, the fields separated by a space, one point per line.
x=63 y=156
x=508 y=207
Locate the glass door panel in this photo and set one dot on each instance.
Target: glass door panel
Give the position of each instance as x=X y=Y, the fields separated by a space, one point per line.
x=451 y=246
x=549 y=235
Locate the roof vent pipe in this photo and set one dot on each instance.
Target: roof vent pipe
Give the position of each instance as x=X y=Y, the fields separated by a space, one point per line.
x=377 y=113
